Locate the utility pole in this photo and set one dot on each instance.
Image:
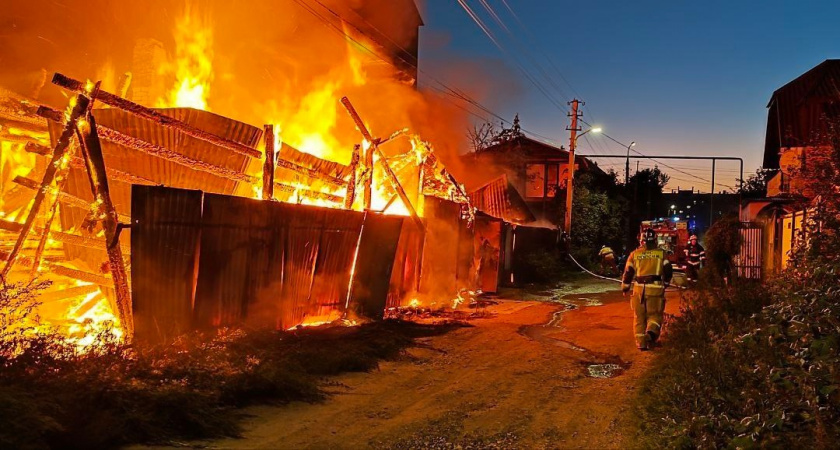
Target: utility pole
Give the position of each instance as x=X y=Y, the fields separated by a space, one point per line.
x=570 y=184
x=712 y=198
x=627 y=164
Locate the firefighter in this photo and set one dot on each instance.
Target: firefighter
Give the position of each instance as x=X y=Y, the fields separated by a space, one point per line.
x=650 y=271
x=695 y=256
x=608 y=264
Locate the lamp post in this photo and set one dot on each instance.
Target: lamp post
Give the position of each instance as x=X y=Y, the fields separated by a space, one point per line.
x=627 y=164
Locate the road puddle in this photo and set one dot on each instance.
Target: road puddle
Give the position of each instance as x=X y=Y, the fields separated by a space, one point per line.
x=604 y=370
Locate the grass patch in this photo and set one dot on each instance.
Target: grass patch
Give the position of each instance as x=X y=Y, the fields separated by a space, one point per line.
x=52 y=396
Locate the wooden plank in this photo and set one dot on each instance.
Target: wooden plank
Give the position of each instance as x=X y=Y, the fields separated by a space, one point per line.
x=63 y=197
x=79 y=105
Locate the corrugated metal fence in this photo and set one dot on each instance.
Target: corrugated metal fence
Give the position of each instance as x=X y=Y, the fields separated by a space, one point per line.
x=206 y=260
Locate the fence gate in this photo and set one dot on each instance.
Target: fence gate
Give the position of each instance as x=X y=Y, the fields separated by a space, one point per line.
x=749 y=259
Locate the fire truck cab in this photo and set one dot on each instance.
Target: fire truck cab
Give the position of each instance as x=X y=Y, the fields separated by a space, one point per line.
x=670 y=236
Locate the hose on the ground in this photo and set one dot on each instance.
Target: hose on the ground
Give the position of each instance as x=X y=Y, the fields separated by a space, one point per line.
x=608 y=278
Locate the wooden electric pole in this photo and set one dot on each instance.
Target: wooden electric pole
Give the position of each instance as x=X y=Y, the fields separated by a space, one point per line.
x=570 y=185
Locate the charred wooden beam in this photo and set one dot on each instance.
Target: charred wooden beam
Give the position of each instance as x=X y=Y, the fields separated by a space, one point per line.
x=351 y=185
x=66 y=238
x=155 y=116
x=140 y=145
x=312 y=173
x=64 y=271
x=79 y=108
x=32 y=147
x=79 y=163
x=95 y=161
x=268 y=164
x=389 y=174
x=63 y=197
x=67 y=294
x=309 y=193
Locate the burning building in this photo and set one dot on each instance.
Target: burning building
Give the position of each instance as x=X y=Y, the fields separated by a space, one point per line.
x=152 y=212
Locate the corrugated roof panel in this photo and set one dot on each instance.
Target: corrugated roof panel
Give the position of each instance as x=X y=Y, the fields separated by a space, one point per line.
x=375 y=263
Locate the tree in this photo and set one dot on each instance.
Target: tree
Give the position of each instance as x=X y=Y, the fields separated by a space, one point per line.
x=755 y=186
x=481 y=136
x=487 y=135
x=644 y=193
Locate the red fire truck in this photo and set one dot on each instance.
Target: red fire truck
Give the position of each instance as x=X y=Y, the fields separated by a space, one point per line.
x=670 y=236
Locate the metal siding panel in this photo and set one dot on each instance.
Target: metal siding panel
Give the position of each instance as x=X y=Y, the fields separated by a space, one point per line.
x=232 y=232
x=164 y=250
x=380 y=239
x=340 y=236
x=405 y=272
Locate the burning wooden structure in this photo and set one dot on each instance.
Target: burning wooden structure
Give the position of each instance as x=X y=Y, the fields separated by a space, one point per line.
x=204 y=250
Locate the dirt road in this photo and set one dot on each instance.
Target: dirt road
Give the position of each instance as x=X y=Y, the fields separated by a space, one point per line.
x=523 y=378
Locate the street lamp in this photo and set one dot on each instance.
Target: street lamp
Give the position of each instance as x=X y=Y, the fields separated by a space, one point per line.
x=571 y=181
x=627 y=164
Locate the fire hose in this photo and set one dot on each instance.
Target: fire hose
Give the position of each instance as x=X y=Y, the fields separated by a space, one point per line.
x=608 y=278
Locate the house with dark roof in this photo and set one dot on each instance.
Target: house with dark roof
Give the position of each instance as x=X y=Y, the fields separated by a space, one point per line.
x=798 y=117
x=537 y=171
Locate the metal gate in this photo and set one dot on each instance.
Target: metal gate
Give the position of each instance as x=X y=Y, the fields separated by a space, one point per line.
x=749 y=260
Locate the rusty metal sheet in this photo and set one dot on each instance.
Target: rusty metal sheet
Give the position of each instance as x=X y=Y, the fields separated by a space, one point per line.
x=500 y=199
x=375 y=262
x=488 y=252
x=405 y=273
x=233 y=232
x=164 y=258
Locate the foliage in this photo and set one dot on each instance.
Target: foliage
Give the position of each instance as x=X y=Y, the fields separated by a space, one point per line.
x=756 y=366
x=755 y=186
x=598 y=217
x=52 y=395
x=723 y=242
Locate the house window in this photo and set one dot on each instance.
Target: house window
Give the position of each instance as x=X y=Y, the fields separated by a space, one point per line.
x=535 y=180
x=553 y=180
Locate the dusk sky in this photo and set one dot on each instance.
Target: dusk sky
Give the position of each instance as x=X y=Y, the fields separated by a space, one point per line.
x=689 y=78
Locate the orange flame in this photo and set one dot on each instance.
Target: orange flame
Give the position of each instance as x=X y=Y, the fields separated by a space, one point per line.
x=193 y=64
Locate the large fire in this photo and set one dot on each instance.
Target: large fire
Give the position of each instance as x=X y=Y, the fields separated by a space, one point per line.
x=304 y=107
x=193 y=64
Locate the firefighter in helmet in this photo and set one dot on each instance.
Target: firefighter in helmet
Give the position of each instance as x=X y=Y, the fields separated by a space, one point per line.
x=608 y=264
x=650 y=272
x=695 y=256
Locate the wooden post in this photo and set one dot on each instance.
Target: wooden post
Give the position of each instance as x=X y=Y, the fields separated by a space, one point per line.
x=368 y=181
x=268 y=165
x=351 y=184
x=79 y=106
x=92 y=151
x=389 y=174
